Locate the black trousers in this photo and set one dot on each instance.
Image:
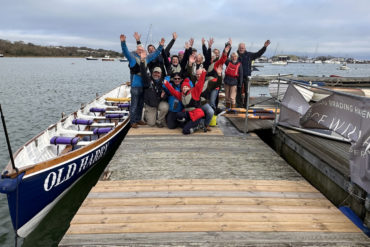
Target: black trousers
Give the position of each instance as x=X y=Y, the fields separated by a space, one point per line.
x=189 y=124
x=171 y=120
x=240 y=102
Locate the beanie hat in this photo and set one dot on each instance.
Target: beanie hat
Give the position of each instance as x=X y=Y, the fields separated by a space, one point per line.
x=185 y=83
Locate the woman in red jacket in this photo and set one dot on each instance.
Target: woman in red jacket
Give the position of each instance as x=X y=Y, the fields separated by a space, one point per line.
x=190 y=98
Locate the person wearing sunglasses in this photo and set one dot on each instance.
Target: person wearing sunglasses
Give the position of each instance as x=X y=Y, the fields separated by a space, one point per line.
x=175 y=105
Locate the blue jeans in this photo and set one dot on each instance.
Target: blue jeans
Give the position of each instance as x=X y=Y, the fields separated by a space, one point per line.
x=208 y=111
x=137 y=104
x=213 y=98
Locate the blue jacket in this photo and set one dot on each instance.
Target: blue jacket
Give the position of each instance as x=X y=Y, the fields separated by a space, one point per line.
x=131 y=57
x=172 y=101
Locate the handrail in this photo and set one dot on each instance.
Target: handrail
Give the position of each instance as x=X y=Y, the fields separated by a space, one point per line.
x=321 y=88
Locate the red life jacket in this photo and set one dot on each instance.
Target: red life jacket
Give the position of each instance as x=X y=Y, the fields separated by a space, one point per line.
x=232 y=69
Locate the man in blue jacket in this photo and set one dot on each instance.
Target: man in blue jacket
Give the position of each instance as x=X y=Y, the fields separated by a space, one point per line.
x=137 y=96
x=246 y=59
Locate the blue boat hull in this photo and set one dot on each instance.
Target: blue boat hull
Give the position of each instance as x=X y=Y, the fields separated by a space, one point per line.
x=38 y=192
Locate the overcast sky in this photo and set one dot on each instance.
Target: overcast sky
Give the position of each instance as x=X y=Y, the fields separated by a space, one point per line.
x=303 y=27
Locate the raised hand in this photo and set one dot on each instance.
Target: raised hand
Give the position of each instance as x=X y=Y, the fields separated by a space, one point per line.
x=191 y=59
x=186 y=45
x=137 y=36
x=162 y=42
x=174 y=35
x=230 y=41
x=210 y=42
x=227 y=49
x=122 y=38
x=191 y=42
x=203 y=41
x=267 y=43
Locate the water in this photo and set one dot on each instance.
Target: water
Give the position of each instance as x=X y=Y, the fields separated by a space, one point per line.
x=35 y=91
x=308 y=69
x=33 y=94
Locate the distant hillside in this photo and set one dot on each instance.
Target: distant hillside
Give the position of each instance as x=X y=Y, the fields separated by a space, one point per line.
x=19 y=48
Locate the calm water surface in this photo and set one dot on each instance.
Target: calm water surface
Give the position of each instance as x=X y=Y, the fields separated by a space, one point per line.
x=35 y=91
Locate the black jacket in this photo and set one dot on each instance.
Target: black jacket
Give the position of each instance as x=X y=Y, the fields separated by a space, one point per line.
x=246 y=59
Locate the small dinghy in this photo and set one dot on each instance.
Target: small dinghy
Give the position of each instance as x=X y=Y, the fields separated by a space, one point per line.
x=276 y=87
x=47 y=166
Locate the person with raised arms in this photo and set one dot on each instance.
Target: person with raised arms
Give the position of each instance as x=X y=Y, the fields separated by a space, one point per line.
x=137 y=97
x=190 y=98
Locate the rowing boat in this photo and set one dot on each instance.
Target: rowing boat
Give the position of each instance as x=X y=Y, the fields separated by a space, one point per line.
x=48 y=165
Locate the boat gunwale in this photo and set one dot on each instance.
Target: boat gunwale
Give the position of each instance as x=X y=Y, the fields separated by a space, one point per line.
x=11 y=173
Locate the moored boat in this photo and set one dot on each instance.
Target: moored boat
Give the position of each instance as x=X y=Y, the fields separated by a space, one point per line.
x=107 y=58
x=344 y=67
x=278 y=91
x=48 y=165
x=91 y=58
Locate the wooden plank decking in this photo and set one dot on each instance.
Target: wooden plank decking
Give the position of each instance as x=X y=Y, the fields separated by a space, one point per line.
x=205 y=189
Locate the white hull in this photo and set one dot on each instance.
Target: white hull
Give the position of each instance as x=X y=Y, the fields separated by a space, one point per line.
x=273 y=89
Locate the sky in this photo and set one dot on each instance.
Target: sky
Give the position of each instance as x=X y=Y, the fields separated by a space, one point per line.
x=302 y=27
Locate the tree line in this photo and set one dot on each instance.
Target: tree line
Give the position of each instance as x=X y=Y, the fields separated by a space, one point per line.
x=22 y=49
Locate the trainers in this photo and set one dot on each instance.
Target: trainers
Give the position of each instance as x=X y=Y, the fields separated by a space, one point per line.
x=141 y=122
x=191 y=130
x=208 y=128
x=181 y=120
x=134 y=125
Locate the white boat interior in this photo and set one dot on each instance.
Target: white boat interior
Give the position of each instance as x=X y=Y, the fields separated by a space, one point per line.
x=76 y=130
x=274 y=87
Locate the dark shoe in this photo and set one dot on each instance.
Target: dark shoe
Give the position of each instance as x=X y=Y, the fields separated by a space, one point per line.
x=141 y=122
x=134 y=125
x=208 y=128
x=159 y=125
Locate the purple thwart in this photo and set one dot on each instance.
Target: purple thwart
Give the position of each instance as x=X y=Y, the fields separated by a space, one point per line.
x=64 y=140
x=96 y=109
x=82 y=121
x=99 y=131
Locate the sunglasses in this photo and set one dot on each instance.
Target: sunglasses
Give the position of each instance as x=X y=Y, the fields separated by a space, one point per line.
x=177 y=79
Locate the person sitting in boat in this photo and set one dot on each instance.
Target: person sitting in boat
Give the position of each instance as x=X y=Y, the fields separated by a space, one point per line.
x=233 y=79
x=137 y=97
x=156 y=106
x=190 y=98
x=175 y=105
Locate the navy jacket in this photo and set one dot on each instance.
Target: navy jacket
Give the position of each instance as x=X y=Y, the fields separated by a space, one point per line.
x=246 y=59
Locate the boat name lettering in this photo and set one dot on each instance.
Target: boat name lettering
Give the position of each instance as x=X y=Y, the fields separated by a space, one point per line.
x=87 y=161
x=57 y=178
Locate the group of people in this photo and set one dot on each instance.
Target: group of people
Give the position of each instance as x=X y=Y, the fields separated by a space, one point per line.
x=182 y=90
